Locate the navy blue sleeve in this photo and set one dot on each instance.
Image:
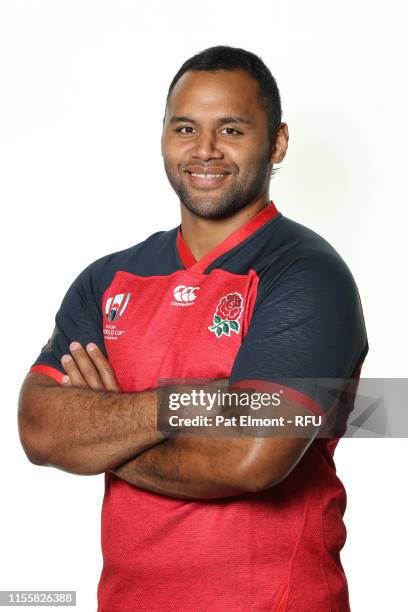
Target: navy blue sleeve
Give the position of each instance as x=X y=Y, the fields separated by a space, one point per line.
x=79 y=318
x=307 y=325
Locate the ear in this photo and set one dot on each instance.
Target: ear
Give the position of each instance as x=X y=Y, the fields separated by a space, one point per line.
x=280 y=144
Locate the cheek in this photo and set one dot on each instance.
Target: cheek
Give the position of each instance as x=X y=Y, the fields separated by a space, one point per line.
x=256 y=158
x=245 y=155
x=175 y=153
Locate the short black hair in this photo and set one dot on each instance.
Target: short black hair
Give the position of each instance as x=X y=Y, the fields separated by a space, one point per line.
x=233 y=58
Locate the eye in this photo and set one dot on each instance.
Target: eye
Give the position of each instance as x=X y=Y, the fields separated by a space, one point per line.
x=185 y=129
x=231 y=131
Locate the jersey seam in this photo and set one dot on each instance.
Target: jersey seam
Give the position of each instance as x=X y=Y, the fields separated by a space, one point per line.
x=295 y=550
x=323 y=540
x=150 y=276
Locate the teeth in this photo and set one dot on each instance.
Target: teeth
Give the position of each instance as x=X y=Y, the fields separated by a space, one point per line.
x=206 y=176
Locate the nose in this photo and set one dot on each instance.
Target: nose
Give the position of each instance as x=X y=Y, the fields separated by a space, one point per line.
x=206 y=148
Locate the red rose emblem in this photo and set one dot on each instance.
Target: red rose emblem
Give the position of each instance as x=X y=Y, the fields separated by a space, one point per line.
x=225 y=319
x=230 y=307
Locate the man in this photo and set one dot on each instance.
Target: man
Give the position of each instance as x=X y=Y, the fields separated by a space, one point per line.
x=238 y=292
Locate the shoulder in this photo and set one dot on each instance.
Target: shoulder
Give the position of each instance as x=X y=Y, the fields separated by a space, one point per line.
x=302 y=260
x=145 y=258
x=308 y=285
x=308 y=306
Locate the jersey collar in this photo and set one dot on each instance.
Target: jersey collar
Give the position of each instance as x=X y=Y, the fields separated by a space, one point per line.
x=242 y=233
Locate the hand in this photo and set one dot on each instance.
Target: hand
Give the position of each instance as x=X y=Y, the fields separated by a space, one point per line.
x=88 y=368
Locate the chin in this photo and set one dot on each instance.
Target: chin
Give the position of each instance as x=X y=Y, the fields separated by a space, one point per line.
x=211 y=208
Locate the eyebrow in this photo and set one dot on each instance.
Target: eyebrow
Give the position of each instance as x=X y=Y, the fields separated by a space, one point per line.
x=220 y=121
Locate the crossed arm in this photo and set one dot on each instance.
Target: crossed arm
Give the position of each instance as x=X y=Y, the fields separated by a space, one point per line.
x=86 y=426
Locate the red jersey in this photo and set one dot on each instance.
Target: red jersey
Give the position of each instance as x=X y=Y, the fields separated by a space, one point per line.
x=288 y=307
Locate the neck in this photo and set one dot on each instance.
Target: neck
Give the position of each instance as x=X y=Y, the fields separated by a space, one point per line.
x=203 y=235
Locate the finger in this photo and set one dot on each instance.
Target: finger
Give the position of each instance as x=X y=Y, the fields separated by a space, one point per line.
x=66 y=382
x=86 y=367
x=103 y=366
x=72 y=371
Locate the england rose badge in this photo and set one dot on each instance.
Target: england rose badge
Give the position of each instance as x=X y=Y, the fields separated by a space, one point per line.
x=226 y=316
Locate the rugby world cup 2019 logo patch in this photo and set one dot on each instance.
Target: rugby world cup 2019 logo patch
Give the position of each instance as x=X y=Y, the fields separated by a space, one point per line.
x=116 y=305
x=226 y=316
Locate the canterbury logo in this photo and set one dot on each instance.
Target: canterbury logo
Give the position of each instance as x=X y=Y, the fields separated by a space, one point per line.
x=185 y=294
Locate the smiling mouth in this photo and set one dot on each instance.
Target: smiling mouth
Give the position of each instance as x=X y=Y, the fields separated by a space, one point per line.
x=207 y=175
x=206 y=180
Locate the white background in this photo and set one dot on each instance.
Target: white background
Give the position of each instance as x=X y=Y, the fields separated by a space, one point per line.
x=82 y=95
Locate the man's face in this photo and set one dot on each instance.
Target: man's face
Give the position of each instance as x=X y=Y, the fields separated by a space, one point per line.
x=215 y=143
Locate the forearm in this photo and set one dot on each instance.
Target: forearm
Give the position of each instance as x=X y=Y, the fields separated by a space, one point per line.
x=192 y=468
x=206 y=468
x=85 y=431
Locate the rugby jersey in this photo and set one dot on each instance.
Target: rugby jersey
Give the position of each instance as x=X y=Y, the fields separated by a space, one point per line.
x=274 y=302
